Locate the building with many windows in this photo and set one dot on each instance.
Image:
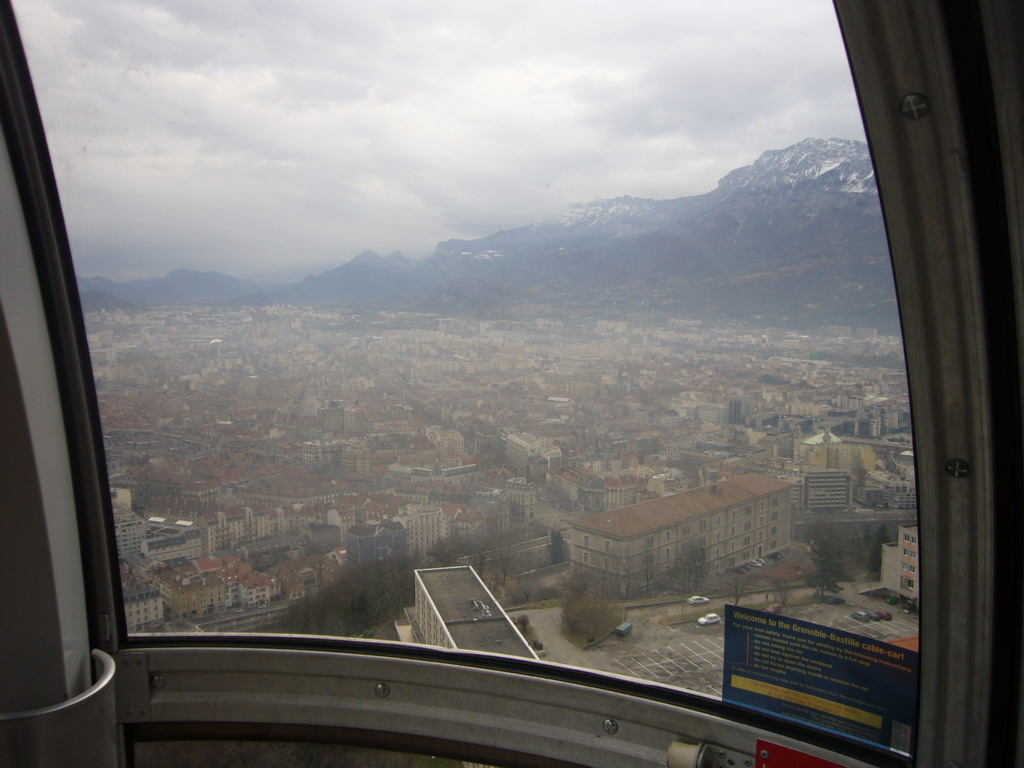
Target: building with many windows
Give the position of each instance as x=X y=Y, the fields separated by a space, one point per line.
x=901 y=567
x=143 y=607
x=715 y=526
x=129 y=531
x=827 y=490
x=529 y=454
x=426 y=525
x=172 y=540
x=522 y=496
x=373 y=541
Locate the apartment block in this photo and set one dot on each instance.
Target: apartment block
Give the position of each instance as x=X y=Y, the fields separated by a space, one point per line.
x=729 y=522
x=827 y=490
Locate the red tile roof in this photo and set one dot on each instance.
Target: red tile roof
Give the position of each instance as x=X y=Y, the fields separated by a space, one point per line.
x=636 y=519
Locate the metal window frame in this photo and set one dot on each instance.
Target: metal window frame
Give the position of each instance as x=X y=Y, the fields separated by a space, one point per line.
x=951 y=184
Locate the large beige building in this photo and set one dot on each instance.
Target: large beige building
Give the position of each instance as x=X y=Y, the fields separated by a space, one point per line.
x=720 y=525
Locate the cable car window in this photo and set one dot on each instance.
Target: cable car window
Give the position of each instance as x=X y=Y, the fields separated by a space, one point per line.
x=394 y=310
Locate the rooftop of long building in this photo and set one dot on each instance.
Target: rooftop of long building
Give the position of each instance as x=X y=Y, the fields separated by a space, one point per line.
x=468 y=609
x=636 y=519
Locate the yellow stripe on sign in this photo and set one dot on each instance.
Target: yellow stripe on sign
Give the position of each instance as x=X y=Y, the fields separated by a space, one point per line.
x=807 y=700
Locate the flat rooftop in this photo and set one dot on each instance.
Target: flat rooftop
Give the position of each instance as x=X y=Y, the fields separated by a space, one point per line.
x=470 y=612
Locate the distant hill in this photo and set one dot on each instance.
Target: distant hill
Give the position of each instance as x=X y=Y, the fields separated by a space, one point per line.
x=97 y=301
x=795 y=239
x=368 y=278
x=182 y=286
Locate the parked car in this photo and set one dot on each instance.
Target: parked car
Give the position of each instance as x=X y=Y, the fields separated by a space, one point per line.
x=862 y=616
x=774 y=608
x=711 y=618
x=737 y=569
x=884 y=615
x=833 y=600
x=697 y=600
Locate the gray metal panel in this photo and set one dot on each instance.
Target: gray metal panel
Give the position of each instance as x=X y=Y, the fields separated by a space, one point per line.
x=519 y=714
x=898 y=49
x=43 y=631
x=81 y=731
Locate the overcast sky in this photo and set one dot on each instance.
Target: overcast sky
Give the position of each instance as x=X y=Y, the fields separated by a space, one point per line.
x=249 y=136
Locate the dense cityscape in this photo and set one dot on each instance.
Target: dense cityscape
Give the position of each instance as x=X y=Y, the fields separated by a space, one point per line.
x=614 y=378
x=265 y=459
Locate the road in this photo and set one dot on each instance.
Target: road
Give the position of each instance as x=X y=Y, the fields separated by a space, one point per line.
x=547 y=627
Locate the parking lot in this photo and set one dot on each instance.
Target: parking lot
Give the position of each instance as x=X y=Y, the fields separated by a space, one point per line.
x=838 y=616
x=679 y=664
x=667 y=649
x=876 y=630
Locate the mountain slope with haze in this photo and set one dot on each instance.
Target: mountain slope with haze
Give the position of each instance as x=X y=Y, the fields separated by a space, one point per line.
x=796 y=239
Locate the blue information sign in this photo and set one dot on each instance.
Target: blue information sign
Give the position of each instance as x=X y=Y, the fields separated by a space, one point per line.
x=836 y=680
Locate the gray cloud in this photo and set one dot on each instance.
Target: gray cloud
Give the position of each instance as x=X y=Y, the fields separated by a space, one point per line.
x=242 y=135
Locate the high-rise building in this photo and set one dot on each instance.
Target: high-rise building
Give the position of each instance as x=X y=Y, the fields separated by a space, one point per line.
x=827 y=490
x=740 y=410
x=129 y=531
x=332 y=419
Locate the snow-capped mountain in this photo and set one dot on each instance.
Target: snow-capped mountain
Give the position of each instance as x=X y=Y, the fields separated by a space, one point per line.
x=795 y=238
x=839 y=165
x=638 y=211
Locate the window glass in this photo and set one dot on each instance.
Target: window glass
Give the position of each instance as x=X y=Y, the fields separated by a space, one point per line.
x=396 y=305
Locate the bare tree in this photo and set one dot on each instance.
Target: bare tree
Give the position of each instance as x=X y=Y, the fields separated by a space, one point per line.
x=586 y=611
x=691 y=566
x=737 y=583
x=781 y=585
x=647 y=572
x=506 y=536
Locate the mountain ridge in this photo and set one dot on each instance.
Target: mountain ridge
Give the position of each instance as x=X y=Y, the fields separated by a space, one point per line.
x=794 y=238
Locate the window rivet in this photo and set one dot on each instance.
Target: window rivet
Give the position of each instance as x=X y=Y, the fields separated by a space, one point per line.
x=157 y=681
x=958 y=468
x=383 y=690
x=914 y=106
x=765 y=754
x=610 y=726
